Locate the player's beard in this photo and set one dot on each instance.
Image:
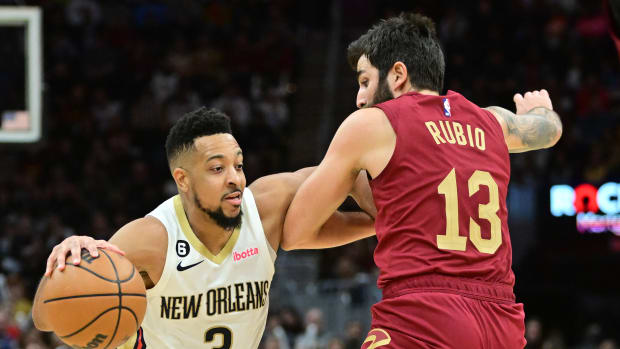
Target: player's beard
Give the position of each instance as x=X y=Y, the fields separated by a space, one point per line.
x=383 y=93
x=218 y=215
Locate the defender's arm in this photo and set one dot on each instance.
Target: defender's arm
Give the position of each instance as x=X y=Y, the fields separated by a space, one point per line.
x=534 y=126
x=273 y=195
x=351 y=150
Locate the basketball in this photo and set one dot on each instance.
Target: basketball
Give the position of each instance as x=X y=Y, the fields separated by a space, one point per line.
x=99 y=303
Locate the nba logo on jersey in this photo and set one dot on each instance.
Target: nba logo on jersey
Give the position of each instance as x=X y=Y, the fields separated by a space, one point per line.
x=446 y=107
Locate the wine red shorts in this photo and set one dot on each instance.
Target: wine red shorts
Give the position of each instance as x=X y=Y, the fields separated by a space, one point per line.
x=445 y=319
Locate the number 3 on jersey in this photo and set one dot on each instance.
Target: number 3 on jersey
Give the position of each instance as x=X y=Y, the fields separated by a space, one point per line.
x=224 y=333
x=452 y=240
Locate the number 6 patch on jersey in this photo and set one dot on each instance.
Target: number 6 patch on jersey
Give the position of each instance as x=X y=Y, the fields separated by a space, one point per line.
x=377 y=337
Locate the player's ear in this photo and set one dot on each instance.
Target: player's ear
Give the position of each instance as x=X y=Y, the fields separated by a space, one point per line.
x=182 y=179
x=400 y=76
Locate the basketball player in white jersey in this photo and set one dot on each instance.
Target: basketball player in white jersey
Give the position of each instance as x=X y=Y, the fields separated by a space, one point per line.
x=207 y=254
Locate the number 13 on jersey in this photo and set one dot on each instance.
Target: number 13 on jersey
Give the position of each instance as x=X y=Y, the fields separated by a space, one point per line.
x=452 y=240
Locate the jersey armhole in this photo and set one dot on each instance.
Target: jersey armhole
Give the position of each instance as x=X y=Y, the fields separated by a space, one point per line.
x=494 y=120
x=272 y=253
x=252 y=203
x=165 y=273
x=499 y=126
x=393 y=121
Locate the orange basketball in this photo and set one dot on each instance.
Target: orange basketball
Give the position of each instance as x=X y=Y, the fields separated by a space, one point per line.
x=99 y=303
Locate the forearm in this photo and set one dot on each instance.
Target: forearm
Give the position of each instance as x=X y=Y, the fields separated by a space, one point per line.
x=314 y=203
x=305 y=172
x=340 y=229
x=319 y=197
x=537 y=129
x=304 y=219
x=362 y=194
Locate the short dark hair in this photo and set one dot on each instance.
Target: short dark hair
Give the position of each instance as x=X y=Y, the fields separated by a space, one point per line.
x=195 y=124
x=410 y=38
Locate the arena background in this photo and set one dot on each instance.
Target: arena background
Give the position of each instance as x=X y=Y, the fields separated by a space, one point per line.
x=118 y=73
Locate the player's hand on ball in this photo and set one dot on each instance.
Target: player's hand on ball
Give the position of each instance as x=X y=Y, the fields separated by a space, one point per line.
x=531 y=100
x=74 y=245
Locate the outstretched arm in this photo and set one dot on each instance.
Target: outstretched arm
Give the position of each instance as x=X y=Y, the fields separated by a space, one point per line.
x=360 y=192
x=534 y=126
x=356 y=143
x=273 y=195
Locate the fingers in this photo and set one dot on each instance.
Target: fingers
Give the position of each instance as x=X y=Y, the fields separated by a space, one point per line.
x=72 y=245
x=531 y=94
x=517 y=98
x=76 y=253
x=109 y=246
x=59 y=257
x=92 y=248
x=50 y=263
x=532 y=99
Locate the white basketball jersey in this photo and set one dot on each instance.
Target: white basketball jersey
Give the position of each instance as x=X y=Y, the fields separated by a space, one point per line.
x=204 y=300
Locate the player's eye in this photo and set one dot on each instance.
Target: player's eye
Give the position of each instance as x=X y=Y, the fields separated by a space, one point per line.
x=217 y=169
x=239 y=166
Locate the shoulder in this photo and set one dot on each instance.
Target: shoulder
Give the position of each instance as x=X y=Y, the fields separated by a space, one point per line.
x=144 y=240
x=366 y=120
x=364 y=137
x=499 y=112
x=363 y=130
x=146 y=228
x=273 y=193
x=504 y=117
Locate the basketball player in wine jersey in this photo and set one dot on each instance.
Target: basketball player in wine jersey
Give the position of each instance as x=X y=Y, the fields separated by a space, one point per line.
x=207 y=255
x=439 y=168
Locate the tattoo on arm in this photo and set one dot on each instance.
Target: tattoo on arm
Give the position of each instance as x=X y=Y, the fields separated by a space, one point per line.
x=539 y=128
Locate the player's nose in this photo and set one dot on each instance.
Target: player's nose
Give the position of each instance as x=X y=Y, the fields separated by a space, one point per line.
x=361 y=101
x=234 y=177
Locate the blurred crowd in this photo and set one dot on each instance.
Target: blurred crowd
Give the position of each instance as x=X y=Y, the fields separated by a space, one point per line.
x=118 y=74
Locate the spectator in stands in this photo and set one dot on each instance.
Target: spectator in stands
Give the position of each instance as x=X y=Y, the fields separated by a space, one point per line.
x=315 y=335
x=354 y=335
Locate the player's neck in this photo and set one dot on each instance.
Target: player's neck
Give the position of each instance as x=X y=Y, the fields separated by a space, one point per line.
x=413 y=89
x=424 y=91
x=213 y=236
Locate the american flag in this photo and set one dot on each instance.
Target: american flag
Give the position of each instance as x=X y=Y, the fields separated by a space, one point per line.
x=15 y=121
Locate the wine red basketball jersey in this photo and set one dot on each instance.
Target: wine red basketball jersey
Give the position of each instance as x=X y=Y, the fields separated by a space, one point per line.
x=441 y=199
